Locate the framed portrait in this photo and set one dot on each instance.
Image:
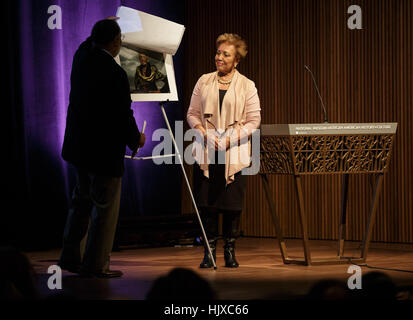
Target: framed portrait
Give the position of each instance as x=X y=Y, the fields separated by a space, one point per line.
x=150 y=74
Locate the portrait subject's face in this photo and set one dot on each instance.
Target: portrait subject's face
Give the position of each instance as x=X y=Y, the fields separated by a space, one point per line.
x=143 y=59
x=225 y=58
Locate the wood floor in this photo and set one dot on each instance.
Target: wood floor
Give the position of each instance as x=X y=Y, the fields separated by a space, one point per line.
x=261 y=274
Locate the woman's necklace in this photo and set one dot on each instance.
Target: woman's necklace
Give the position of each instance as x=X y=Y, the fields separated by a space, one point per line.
x=225 y=82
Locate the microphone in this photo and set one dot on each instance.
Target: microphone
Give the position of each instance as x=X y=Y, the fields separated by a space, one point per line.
x=315 y=84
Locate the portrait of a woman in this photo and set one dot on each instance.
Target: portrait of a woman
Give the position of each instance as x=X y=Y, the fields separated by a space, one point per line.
x=225 y=108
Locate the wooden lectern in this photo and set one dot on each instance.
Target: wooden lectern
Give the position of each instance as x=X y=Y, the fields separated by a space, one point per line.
x=327 y=148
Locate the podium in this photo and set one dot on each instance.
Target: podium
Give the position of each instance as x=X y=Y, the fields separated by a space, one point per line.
x=327 y=148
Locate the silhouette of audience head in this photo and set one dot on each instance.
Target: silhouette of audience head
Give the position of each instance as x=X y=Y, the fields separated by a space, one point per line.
x=329 y=290
x=377 y=285
x=181 y=284
x=17 y=276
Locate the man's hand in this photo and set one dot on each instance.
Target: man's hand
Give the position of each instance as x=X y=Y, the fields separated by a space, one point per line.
x=141 y=144
x=142 y=140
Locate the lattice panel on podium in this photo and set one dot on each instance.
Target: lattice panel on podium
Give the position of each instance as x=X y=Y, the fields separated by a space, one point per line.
x=324 y=149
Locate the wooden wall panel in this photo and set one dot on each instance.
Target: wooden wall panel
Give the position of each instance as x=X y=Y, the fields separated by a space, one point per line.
x=364 y=76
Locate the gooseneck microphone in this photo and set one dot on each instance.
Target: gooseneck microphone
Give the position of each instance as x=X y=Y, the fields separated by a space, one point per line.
x=315 y=84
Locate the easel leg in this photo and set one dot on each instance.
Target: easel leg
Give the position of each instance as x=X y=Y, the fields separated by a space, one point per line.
x=372 y=216
x=275 y=220
x=303 y=219
x=343 y=216
x=188 y=185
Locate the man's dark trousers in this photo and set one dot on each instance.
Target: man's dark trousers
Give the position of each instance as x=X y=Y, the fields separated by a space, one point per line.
x=95 y=199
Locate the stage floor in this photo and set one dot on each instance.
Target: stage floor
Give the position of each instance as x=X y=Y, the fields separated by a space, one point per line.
x=261 y=275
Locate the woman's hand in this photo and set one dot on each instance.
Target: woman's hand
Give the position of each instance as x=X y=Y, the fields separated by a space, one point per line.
x=200 y=128
x=224 y=144
x=203 y=133
x=228 y=142
x=212 y=141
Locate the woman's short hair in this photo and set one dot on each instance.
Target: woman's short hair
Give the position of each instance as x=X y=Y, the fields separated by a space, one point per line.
x=234 y=39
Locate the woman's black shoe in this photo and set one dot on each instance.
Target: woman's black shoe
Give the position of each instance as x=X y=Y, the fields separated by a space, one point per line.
x=207 y=262
x=229 y=254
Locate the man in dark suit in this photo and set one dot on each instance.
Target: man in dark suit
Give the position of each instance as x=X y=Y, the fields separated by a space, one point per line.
x=99 y=126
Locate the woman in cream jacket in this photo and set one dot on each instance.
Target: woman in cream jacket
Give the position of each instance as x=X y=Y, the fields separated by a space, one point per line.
x=225 y=108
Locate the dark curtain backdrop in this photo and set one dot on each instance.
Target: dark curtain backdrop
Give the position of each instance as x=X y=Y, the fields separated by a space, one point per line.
x=39 y=182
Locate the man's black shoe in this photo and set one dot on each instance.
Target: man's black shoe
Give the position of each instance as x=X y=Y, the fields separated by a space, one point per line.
x=103 y=274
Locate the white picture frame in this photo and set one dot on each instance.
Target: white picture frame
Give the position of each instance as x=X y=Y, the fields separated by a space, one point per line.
x=129 y=60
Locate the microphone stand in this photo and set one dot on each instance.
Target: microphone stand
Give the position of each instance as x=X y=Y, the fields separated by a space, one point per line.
x=318 y=92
